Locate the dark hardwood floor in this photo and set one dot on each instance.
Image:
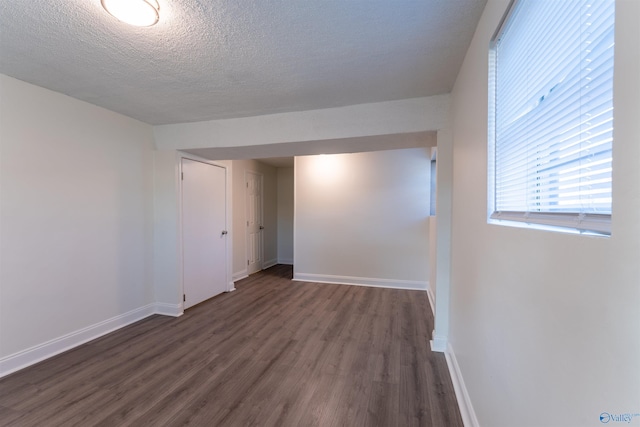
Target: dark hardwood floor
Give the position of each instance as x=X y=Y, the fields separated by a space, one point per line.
x=272 y=353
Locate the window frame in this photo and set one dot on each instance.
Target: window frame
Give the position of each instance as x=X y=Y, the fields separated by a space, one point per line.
x=577 y=223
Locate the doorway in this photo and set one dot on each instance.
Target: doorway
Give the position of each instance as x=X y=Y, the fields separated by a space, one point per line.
x=204 y=231
x=254 y=222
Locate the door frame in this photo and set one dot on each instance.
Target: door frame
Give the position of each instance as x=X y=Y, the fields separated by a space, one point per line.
x=226 y=165
x=246 y=216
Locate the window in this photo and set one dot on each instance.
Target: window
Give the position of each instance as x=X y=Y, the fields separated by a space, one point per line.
x=551 y=115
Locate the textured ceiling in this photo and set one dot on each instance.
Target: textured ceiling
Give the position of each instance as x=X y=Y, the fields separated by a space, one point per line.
x=213 y=59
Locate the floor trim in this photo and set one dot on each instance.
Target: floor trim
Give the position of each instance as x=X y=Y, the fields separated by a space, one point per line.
x=462 y=395
x=438 y=343
x=432 y=299
x=270 y=263
x=165 y=309
x=361 y=281
x=22 y=359
x=239 y=275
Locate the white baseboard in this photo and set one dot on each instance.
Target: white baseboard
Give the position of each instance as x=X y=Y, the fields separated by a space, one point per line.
x=165 y=309
x=285 y=261
x=269 y=263
x=464 y=401
x=22 y=359
x=231 y=287
x=432 y=299
x=35 y=354
x=361 y=281
x=439 y=343
x=239 y=275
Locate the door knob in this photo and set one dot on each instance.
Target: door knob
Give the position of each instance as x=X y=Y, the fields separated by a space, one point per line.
x=261 y=228
x=224 y=232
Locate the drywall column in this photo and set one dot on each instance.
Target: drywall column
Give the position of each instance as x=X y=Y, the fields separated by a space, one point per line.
x=166 y=223
x=444 y=182
x=285 y=216
x=433 y=223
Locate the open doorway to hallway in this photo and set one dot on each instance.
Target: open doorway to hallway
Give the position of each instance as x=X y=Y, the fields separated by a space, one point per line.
x=262 y=214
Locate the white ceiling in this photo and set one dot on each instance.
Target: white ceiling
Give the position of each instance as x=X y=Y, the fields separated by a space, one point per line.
x=213 y=59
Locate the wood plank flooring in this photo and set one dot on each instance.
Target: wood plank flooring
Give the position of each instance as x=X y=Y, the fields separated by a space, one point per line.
x=272 y=353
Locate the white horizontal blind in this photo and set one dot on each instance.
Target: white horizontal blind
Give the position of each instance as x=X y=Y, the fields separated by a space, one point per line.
x=554 y=112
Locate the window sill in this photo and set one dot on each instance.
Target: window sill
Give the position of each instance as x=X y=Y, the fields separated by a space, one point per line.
x=587 y=224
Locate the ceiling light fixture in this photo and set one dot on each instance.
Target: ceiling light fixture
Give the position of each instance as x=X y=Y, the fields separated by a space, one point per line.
x=141 y=13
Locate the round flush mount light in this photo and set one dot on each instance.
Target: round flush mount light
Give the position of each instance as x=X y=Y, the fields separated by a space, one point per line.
x=141 y=13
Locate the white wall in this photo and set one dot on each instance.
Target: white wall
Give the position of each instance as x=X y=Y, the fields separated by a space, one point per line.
x=285 y=215
x=76 y=216
x=442 y=224
x=269 y=210
x=363 y=218
x=546 y=326
x=433 y=228
x=433 y=224
x=166 y=230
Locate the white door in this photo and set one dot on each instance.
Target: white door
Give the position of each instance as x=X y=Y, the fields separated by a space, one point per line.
x=204 y=232
x=254 y=222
